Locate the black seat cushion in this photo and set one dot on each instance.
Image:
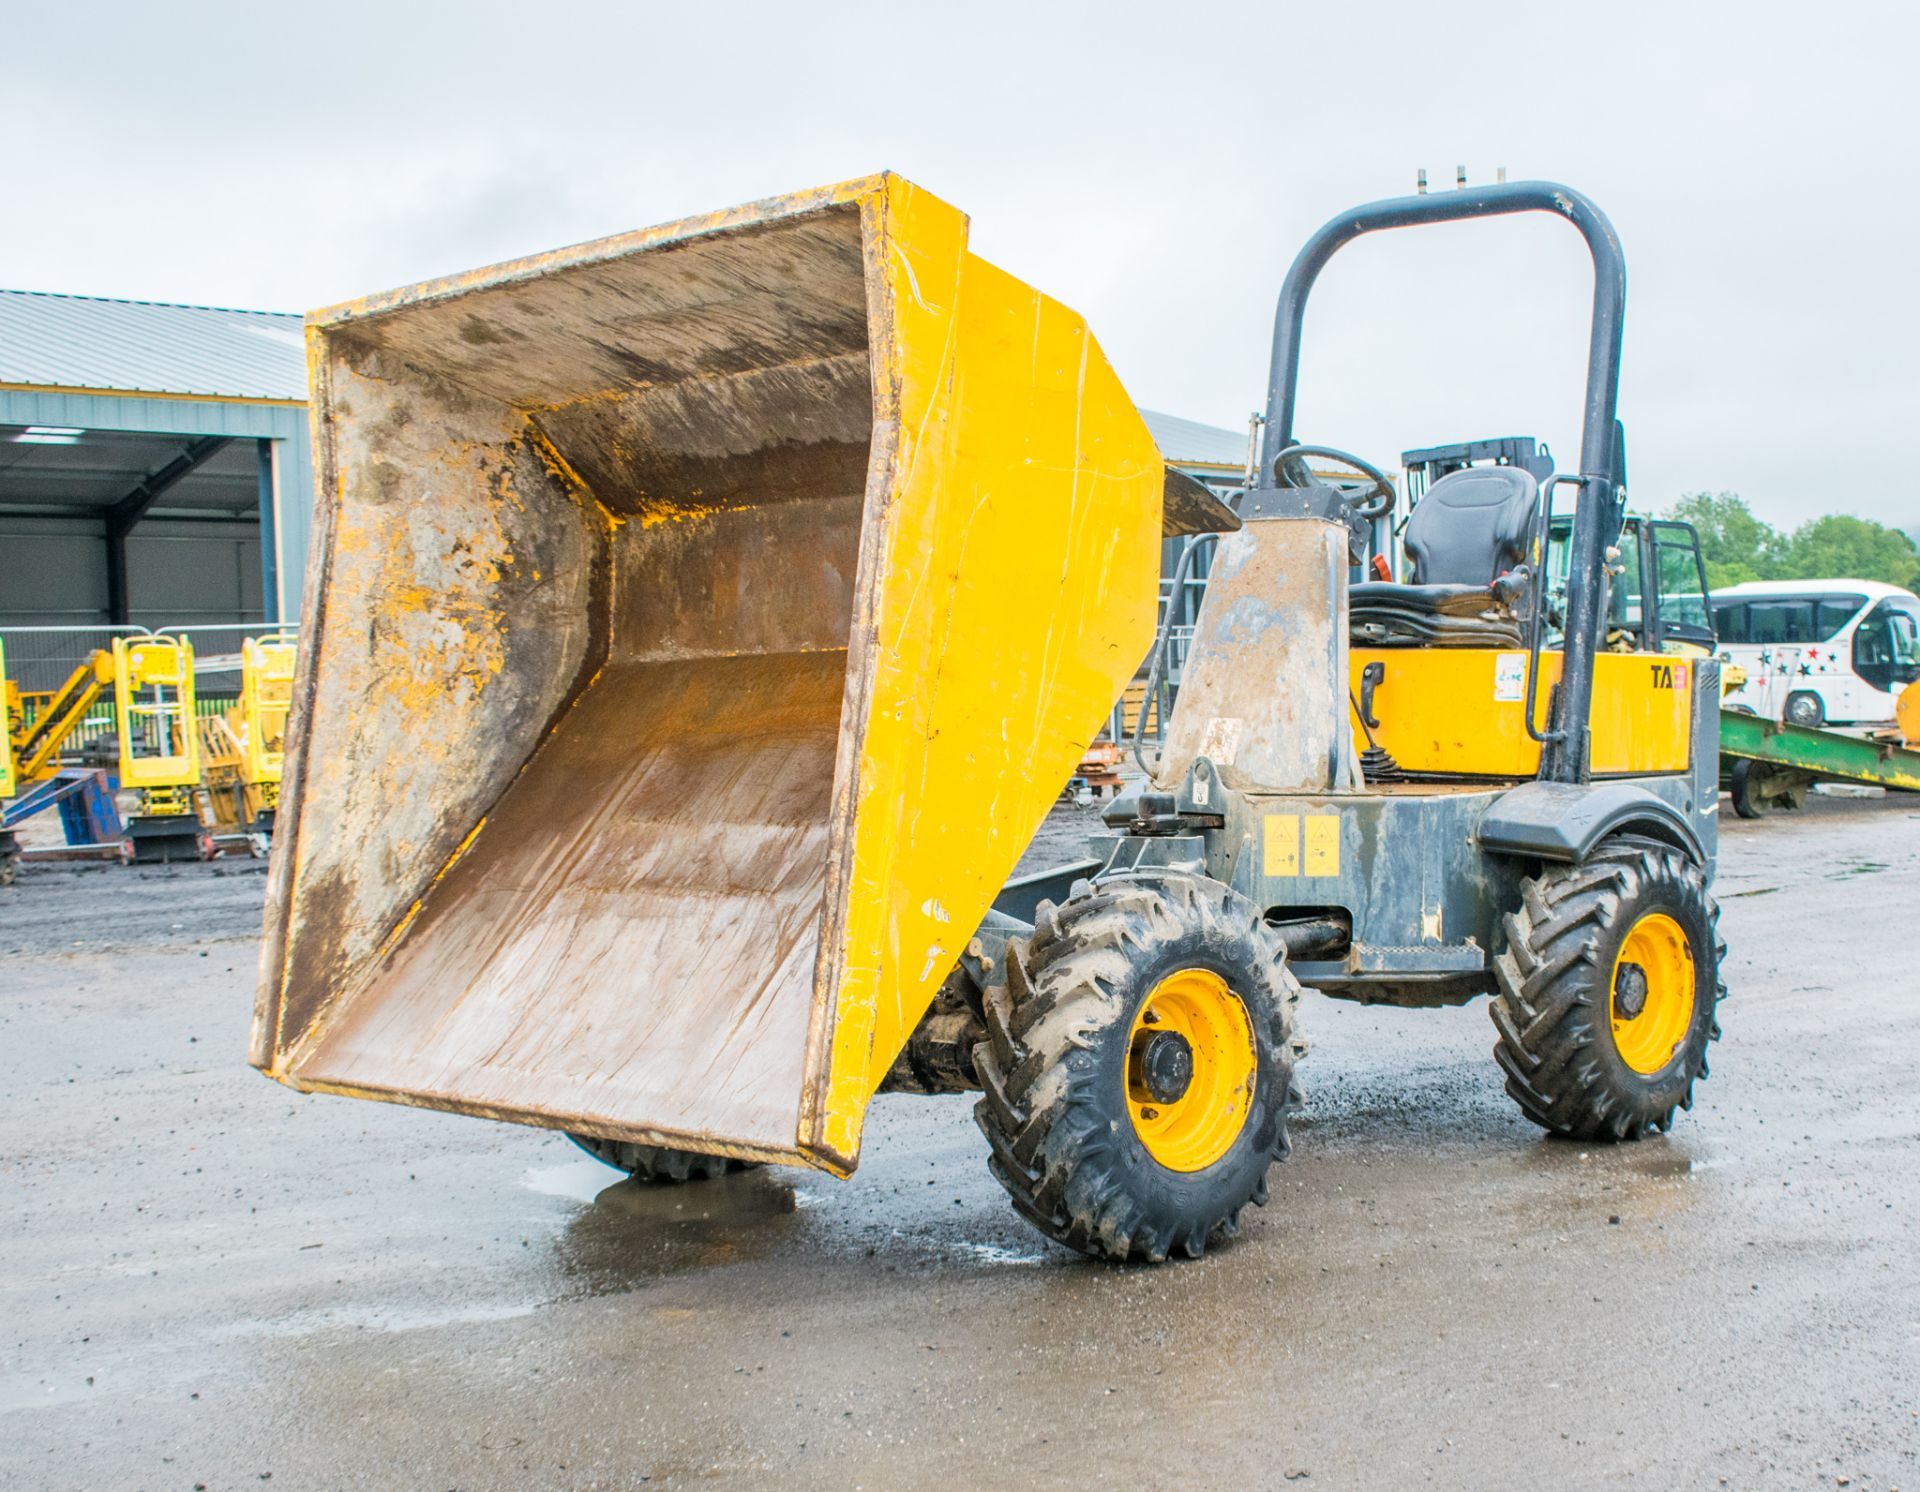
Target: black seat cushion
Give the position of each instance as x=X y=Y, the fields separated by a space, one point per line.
x=1382 y=614
x=1472 y=526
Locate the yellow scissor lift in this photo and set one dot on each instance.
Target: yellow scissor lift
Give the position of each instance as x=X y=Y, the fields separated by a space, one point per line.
x=153 y=698
x=242 y=749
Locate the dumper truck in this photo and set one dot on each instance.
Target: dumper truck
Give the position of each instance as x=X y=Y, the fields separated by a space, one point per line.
x=701 y=621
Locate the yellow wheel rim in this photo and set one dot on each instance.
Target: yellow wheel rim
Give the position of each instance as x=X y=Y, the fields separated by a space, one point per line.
x=1189 y=1127
x=1652 y=992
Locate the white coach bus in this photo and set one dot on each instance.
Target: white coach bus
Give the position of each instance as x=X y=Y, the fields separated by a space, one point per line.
x=1819 y=652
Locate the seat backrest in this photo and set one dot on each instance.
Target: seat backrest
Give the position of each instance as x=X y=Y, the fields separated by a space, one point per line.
x=1472 y=525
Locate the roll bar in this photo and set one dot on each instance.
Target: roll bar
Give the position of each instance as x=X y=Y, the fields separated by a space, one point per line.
x=1564 y=758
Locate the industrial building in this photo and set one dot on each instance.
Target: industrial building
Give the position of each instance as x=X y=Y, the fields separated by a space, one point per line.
x=153 y=463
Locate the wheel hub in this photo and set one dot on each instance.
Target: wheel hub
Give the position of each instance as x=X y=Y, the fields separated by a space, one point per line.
x=1653 y=992
x=1166 y=1066
x=1191 y=1070
x=1630 y=991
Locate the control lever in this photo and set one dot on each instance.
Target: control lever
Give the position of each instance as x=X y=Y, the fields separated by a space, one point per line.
x=1370 y=679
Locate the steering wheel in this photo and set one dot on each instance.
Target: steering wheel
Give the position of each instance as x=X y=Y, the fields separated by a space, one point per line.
x=1290 y=470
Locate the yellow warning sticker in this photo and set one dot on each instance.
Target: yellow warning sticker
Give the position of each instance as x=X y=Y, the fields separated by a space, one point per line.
x=1323 y=844
x=1283 y=844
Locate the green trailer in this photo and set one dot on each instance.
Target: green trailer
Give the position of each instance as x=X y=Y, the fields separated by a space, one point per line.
x=1767 y=764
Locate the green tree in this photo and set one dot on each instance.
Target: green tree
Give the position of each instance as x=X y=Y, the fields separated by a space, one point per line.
x=1738 y=545
x=1734 y=543
x=1840 y=545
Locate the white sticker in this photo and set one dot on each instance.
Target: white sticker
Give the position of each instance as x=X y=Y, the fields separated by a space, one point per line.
x=1509 y=677
x=1221 y=743
x=1202 y=786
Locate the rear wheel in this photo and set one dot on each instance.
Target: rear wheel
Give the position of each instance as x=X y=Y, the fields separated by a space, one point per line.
x=1139 y=1066
x=1757 y=788
x=656 y=1163
x=1608 y=991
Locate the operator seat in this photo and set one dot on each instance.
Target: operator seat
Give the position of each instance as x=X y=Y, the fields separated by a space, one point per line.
x=1469 y=529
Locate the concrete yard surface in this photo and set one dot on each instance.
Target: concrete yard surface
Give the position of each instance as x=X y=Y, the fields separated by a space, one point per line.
x=212 y=1282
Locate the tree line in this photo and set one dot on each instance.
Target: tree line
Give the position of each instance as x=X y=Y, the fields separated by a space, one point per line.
x=1737 y=545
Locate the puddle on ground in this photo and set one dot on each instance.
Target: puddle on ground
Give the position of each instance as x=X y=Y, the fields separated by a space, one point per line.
x=1658 y=1162
x=993 y=1253
x=378 y=1318
x=634 y=1233
x=580 y=1180
x=1655 y=1158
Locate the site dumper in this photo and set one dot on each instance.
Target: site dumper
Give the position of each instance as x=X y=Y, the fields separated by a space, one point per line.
x=701 y=622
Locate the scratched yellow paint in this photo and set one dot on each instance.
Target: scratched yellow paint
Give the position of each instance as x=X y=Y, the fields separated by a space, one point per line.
x=142 y=665
x=1010 y=590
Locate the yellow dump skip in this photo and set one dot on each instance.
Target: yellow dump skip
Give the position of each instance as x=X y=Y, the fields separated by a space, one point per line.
x=700 y=623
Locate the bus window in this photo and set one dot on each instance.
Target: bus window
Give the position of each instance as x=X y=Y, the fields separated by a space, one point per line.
x=1785 y=619
x=1831 y=613
x=1779 y=621
x=1886 y=646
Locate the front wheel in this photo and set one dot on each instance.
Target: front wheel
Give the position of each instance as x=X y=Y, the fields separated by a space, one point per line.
x=1139 y=1066
x=656 y=1163
x=1608 y=991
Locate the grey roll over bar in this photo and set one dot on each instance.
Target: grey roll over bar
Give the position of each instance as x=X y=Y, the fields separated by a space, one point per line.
x=1597 y=523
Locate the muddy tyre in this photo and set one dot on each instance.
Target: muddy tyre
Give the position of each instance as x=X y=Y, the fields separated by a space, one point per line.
x=1743 y=788
x=656 y=1163
x=1608 y=991
x=1139 y=1066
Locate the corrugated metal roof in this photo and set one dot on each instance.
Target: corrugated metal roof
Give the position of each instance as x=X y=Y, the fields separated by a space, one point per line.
x=148 y=347
x=84 y=342
x=1189 y=441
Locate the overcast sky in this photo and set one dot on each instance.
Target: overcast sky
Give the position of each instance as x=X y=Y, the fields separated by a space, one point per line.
x=1154 y=166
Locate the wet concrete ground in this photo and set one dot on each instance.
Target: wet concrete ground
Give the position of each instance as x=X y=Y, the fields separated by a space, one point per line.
x=210 y=1281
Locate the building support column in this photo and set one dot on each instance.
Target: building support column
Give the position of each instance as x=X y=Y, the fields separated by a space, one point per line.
x=269 y=539
x=117 y=607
